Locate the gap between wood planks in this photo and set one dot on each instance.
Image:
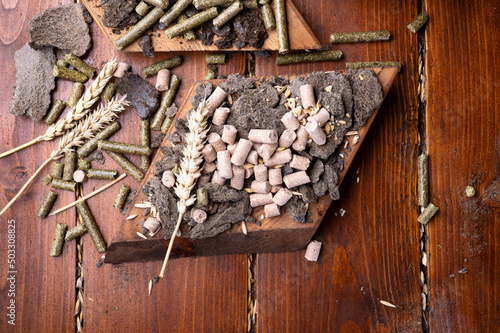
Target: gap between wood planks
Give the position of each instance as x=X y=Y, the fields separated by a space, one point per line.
x=421 y=149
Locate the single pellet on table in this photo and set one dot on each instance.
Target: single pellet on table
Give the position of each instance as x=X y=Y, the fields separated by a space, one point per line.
x=312 y=251
x=166 y=101
x=358 y=37
x=168 y=63
x=215 y=58
x=144 y=140
x=70 y=160
x=124 y=148
x=55 y=111
x=272 y=210
x=91 y=145
x=58 y=242
x=121 y=197
x=298 y=58
x=47 y=203
x=74 y=232
x=216 y=99
x=163 y=80
x=128 y=166
x=93 y=229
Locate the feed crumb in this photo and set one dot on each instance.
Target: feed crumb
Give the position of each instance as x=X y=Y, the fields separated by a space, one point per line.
x=463 y=270
x=342 y=212
x=470 y=191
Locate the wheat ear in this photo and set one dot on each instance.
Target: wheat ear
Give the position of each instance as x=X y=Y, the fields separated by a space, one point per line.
x=76 y=113
x=189 y=168
x=86 y=129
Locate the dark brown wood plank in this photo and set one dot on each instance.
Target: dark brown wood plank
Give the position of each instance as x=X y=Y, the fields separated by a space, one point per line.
x=207 y=294
x=45 y=286
x=371 y=253
x=463 y=132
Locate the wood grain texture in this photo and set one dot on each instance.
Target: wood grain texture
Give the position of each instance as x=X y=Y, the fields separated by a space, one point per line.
x=463 y=140
x=45 y=286
x=199 y=295
x=300 y=34
x=371 y=253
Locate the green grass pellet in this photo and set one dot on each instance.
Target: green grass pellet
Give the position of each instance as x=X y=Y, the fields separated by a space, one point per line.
x=423 y=180
x=268 y=16
x=168 y=63
x=142 y=8
x=418 y=22
x=64 y=185
x=92 y=228
x=79 y=65
x=102 y=174
x=188 y=35
x=108 y=92
x=70 y=160
x=215 y=58
x=166 y=124
x=166 y=100
x=58 y=242
x=128 y=166
x=158 y=3
x=121 y=197
x=47 y=204
x=144 y=140
x=250 y=4
x=57 y=170
x=55 y=111
x=202 y=197
x=427 y=214
x=281 y=26
x=47 y=180
x=359 y=37
x=61 y=63
x=228 y=14
x=297 y=58
x=88 y=147
x=69 y=74
x=191 y=23
x=174 y=12
x=370 y=64
x=205 y=4
x=75 y=94
x=264 y=2
x=139 y=29
x=210 y=75
x=74 y=232
x=124 y=148
x=83 y=164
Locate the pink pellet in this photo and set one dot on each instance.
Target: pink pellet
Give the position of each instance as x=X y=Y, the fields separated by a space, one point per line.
x=242 y=149
x=307 y=96
x=231 y=149
x=163 y=80
x=275 y=177
x=203 y=180
x=282 y=197
x=224 y=164
x=253 y=157
x=198 y=215
x=260 y=172
x=276 y=188
x=266 y=150
x=300 y=142
x=290 y=121
x=220 y=116
x=313 y=250
x=296 y=179
x=168 y=178
x=258 y=199
x=287 y=138
x=238 y=179
x=229 y=134
x=216 y=179
x=209 y=153
x=215 y=140
x=152 y=224
x=260 y=187
x=263 y=136
x=208 y=167
x=256 y=145
x=321 y=117
x=248 y=173
x=279 y=157
x=316 y=133
x=216 y=99
x=272 y=210
x=121 y=69
x=299 y=112
x=300 y=162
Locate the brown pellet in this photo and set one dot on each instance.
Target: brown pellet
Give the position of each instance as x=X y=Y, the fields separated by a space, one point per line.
x=300 y=162
x=58 y=242
x=290 y=121
x=300 y=142
x=312 y=251
x=121 y=69
x=287 y=138
x=47 y=203
x=316 y=132
x=93 y=229
x=208 y=168
x=279 y=158
x=260 y=187
x=275 y=177
x=209 y=153
x=321 y=117
x=198 y=215
x=80 y=176
x=253 y=157
x=168 y=178
x=282 y=196
x=267 y=150
x=224 y=164
x=260 y=172
x=216 y=179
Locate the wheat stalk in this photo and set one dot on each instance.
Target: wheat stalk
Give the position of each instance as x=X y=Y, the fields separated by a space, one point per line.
x=86 y=129
x=76 y=113
x=189 y=168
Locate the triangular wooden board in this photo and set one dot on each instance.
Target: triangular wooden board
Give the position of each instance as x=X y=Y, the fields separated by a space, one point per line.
x=300 y=34
x=274 y=234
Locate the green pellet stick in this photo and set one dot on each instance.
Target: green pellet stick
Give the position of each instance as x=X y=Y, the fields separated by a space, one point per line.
x=281 y=26
x=139 y=29
x=70 y=160
x=144 y=140
x=215 y=58
x=92 y=228
x=370 y=64
x=423 y=180
x=128 y=166
x=64 y=185
x=121 y=197
x=205 y=4
x=174 y=12
x=83 y=164
x=228 y=14
x=58 y=242
x=268 y=16
x=427 y=214
x=55 y=111
x=191 y=23
x=69 y=74
x=188 y=35
x=158 y=3
x=91 y=145
x=210 y=75
x=47 y=204
x=359 y=37
x=418 y=22
x=75 y=94
x=297 y=58
x=166 y=124
x=202 y=197
x=102 y=174
x=142 y=8
x=47 y=180
x=124 y=148
x=57 y=170
x=74 y=232
x=61 y=63
x=108 y=92
x=168 y=63
x=79 y=65
x=166 y=100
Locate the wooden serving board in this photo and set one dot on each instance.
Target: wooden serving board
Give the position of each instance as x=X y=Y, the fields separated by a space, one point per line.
x=300 y=34
x=274 y=235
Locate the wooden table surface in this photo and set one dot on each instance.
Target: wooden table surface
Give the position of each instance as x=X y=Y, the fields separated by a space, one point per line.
x=445 y=102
